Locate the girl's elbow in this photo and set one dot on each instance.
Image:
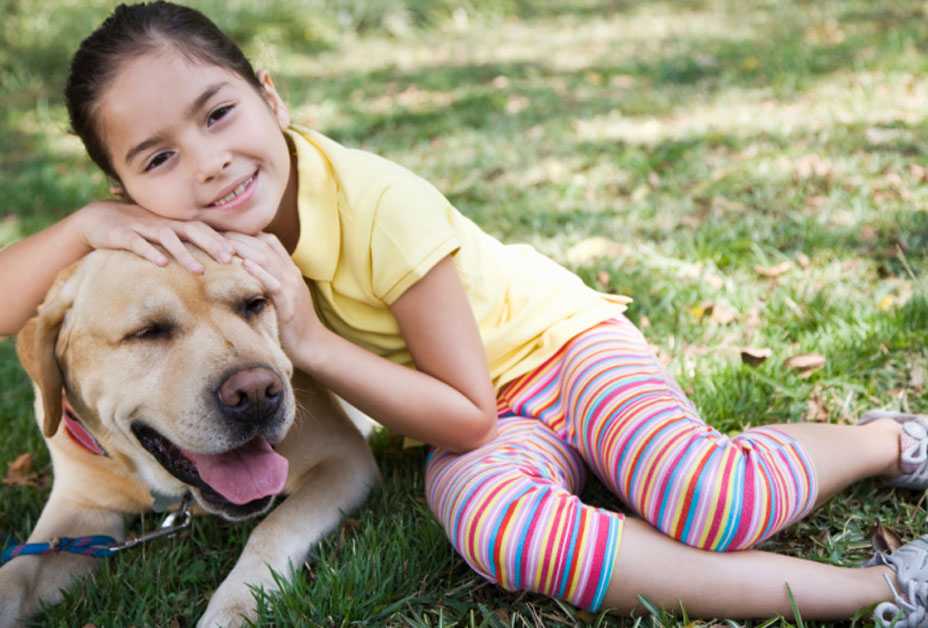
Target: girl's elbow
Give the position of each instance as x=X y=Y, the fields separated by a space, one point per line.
x=484 y=431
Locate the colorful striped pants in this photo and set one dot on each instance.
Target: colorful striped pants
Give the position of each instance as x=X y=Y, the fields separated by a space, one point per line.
x=510 y=507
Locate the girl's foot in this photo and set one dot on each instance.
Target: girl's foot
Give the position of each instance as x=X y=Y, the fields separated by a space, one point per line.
x=913 y=447
x=909 y=608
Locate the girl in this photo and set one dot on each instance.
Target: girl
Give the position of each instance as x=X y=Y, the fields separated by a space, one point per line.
x=523 y=376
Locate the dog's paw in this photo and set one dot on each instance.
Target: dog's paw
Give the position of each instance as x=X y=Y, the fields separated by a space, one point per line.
x=13 y=598
x=229 y=607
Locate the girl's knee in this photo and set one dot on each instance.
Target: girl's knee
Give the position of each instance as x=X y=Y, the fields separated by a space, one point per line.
x=542 y=540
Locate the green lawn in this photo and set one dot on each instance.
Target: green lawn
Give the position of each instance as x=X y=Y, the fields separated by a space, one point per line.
x=677 y=152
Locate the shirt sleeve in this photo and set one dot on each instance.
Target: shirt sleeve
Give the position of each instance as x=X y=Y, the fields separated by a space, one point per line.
x=413 y=229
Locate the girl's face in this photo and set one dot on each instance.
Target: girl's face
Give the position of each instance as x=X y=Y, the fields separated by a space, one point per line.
x=194 y=141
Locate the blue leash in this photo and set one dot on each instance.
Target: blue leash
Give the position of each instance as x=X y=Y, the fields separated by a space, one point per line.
x=99 y=546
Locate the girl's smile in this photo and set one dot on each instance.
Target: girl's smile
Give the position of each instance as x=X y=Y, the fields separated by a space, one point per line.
x=238 y=194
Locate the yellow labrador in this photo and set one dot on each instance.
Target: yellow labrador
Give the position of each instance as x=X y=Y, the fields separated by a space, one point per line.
x=171 y=383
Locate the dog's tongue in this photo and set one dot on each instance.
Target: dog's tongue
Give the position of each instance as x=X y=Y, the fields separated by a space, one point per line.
x=245 y=474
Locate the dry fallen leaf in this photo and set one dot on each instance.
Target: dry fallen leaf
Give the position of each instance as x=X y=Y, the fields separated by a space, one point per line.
x=722 y=313
x=754 y=356
x=772 y=272
x=503 y=615
x=753 y=320
x=919 y=173
x=879 y=136
x=623 y=81
x=886 y=303
x=917 y=377
x=20 y=472
x=884 y=539
x=816 y=201
x=585 y=251
x=701 y=310
x=516 y=104
x=805 y=363
x=869 y=233
x=664 y=358
x=500 y=82
x=816 y=412
x=811 y=166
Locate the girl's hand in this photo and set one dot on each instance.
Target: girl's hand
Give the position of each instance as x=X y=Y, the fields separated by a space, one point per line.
x=267 y=259
x=115 y=225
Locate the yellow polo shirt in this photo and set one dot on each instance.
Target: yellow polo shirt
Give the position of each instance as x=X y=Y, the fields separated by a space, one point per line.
x=370 y=229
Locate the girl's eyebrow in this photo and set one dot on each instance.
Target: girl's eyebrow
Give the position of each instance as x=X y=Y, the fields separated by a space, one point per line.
x=194 y=107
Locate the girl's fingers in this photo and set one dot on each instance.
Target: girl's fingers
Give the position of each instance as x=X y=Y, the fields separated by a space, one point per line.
x=271 y=284
x=275 y=244
x=143 y=248
x=178 y=250
x=209 y=240
x=251 y=248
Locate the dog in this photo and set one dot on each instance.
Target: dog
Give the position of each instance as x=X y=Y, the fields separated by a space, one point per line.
x=152 y=383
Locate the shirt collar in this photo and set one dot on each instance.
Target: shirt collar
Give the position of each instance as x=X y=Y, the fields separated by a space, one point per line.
x=317 y=250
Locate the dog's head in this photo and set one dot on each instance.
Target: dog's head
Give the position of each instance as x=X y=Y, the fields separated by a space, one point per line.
x=179 y=376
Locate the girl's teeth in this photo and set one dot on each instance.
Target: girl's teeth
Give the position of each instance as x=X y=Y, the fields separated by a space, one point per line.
x=234 y=193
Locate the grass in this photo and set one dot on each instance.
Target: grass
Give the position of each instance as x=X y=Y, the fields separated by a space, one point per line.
x=662 y=150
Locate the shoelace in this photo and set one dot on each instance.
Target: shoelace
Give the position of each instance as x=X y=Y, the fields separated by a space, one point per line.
x=914 y=610
x=917 y=454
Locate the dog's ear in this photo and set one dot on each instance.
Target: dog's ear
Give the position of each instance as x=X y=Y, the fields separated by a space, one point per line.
x=35 y=346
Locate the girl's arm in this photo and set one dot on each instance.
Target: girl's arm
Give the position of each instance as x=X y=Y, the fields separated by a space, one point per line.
x=28 y=267
x=448 y=401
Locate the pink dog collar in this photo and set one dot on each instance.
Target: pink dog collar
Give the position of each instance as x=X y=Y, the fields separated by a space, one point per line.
x=76 y=430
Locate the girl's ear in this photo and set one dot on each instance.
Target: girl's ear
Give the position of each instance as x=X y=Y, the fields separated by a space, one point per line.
x=273 y=99
x=118 y=191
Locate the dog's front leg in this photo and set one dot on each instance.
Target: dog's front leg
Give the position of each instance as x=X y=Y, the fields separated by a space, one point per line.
x=329 y=490
x=28 y=581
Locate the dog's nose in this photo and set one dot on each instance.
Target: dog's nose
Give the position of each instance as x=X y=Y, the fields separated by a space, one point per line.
x=251 y=395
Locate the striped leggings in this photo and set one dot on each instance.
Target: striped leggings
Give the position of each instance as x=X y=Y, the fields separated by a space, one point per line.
x=510 y=507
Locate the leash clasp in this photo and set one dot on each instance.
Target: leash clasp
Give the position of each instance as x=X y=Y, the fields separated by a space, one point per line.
x=173 y=523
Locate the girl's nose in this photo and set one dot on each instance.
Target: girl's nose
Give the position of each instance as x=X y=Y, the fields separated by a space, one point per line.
x=212 y=165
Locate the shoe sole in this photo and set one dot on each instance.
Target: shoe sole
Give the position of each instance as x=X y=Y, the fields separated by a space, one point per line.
x=898 y=417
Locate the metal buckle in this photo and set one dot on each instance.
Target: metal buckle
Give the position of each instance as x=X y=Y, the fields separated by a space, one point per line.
x=173 y=523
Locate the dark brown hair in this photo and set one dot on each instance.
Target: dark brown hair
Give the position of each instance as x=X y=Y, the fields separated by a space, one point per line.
x=132 y=31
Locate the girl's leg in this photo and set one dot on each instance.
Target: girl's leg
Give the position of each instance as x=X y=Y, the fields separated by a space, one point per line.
x=645 y=440
x=747 y=584
x=509 y=510
x=844 y=454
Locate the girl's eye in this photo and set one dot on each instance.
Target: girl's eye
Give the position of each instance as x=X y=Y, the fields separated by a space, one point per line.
x=157 y=160
x=218 y=114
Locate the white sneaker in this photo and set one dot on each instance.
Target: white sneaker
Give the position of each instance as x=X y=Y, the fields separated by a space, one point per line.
x=909 y=609
x=913 y=447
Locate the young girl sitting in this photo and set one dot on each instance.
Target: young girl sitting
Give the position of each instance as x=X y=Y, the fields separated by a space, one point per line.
x=523 y=377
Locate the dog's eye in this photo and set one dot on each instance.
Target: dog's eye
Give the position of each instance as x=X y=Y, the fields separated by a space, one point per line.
x=155 y=331
x=253 y=306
